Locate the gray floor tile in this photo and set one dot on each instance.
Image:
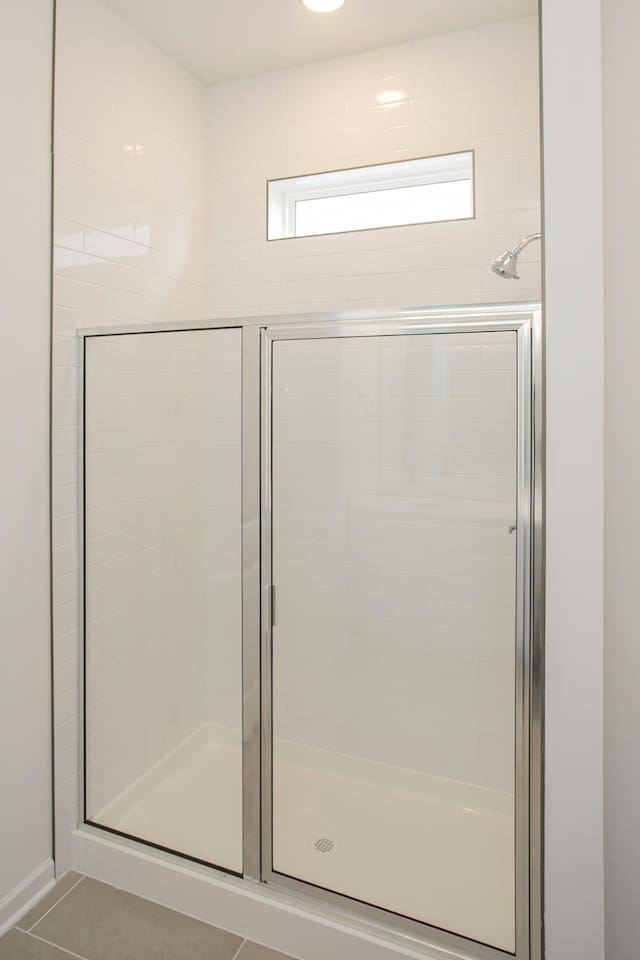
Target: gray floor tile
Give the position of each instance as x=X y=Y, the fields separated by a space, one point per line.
x=62 y=886
x=253 y=951
x=17 y=945
x=102 y=923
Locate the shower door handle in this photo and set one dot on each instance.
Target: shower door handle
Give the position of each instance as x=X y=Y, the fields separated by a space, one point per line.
x=272 y=606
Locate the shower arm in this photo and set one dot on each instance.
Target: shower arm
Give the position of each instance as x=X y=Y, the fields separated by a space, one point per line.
x=525 y=243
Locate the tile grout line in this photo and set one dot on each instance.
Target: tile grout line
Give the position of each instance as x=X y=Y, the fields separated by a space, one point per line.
x=49 y=943
x=237 y=953
x=18 y=925
x=34 y=925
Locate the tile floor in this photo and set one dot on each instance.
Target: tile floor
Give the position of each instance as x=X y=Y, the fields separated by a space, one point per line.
x=89 y=920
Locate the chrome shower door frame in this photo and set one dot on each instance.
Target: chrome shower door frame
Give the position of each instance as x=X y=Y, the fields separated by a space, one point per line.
x=258 y=334
x=525 y=322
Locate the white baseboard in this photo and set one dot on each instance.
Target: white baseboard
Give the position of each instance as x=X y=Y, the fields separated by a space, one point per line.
x=249 y=909
x=26 y=895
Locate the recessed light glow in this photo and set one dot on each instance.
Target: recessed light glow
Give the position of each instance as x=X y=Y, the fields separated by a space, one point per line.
x=323 y=6
x=388 y=98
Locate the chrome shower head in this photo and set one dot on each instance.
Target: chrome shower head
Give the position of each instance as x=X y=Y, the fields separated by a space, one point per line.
x=506 y=266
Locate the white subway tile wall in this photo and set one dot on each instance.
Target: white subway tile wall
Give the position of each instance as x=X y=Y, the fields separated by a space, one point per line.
x=129 y=232
x=394 y=486
x=476 y=89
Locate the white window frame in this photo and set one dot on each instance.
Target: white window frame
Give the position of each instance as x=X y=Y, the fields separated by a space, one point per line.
x=285 y=193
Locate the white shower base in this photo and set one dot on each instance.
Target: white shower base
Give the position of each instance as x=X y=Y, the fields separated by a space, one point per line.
x=428 y=848
x=190 y=802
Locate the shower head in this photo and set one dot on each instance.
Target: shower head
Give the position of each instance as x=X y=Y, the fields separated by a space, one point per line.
x=506 y=265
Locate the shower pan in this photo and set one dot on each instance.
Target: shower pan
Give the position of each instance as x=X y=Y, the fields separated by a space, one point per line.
x=313 y=641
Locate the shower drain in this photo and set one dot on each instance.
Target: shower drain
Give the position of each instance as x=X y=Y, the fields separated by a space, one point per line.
x=324 y=845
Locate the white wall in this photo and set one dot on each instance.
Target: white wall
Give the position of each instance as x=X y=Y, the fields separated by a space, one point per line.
x=476 y=89
x=622 y=516
x=129 y=199
x=571 y=77
x=25 y=737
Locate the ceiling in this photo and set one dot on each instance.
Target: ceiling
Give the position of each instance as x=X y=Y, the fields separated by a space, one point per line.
x=220 y=40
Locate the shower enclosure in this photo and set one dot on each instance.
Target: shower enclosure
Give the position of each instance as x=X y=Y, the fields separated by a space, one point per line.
x=312 y=641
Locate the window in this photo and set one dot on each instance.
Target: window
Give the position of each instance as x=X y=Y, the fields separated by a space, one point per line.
x=365 y=198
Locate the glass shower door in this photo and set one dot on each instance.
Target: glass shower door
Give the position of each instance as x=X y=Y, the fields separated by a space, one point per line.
x=393 y=473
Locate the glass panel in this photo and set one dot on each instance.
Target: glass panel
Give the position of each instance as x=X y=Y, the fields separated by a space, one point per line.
x=163 y=590
x=394 y=564
x=425 y=203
